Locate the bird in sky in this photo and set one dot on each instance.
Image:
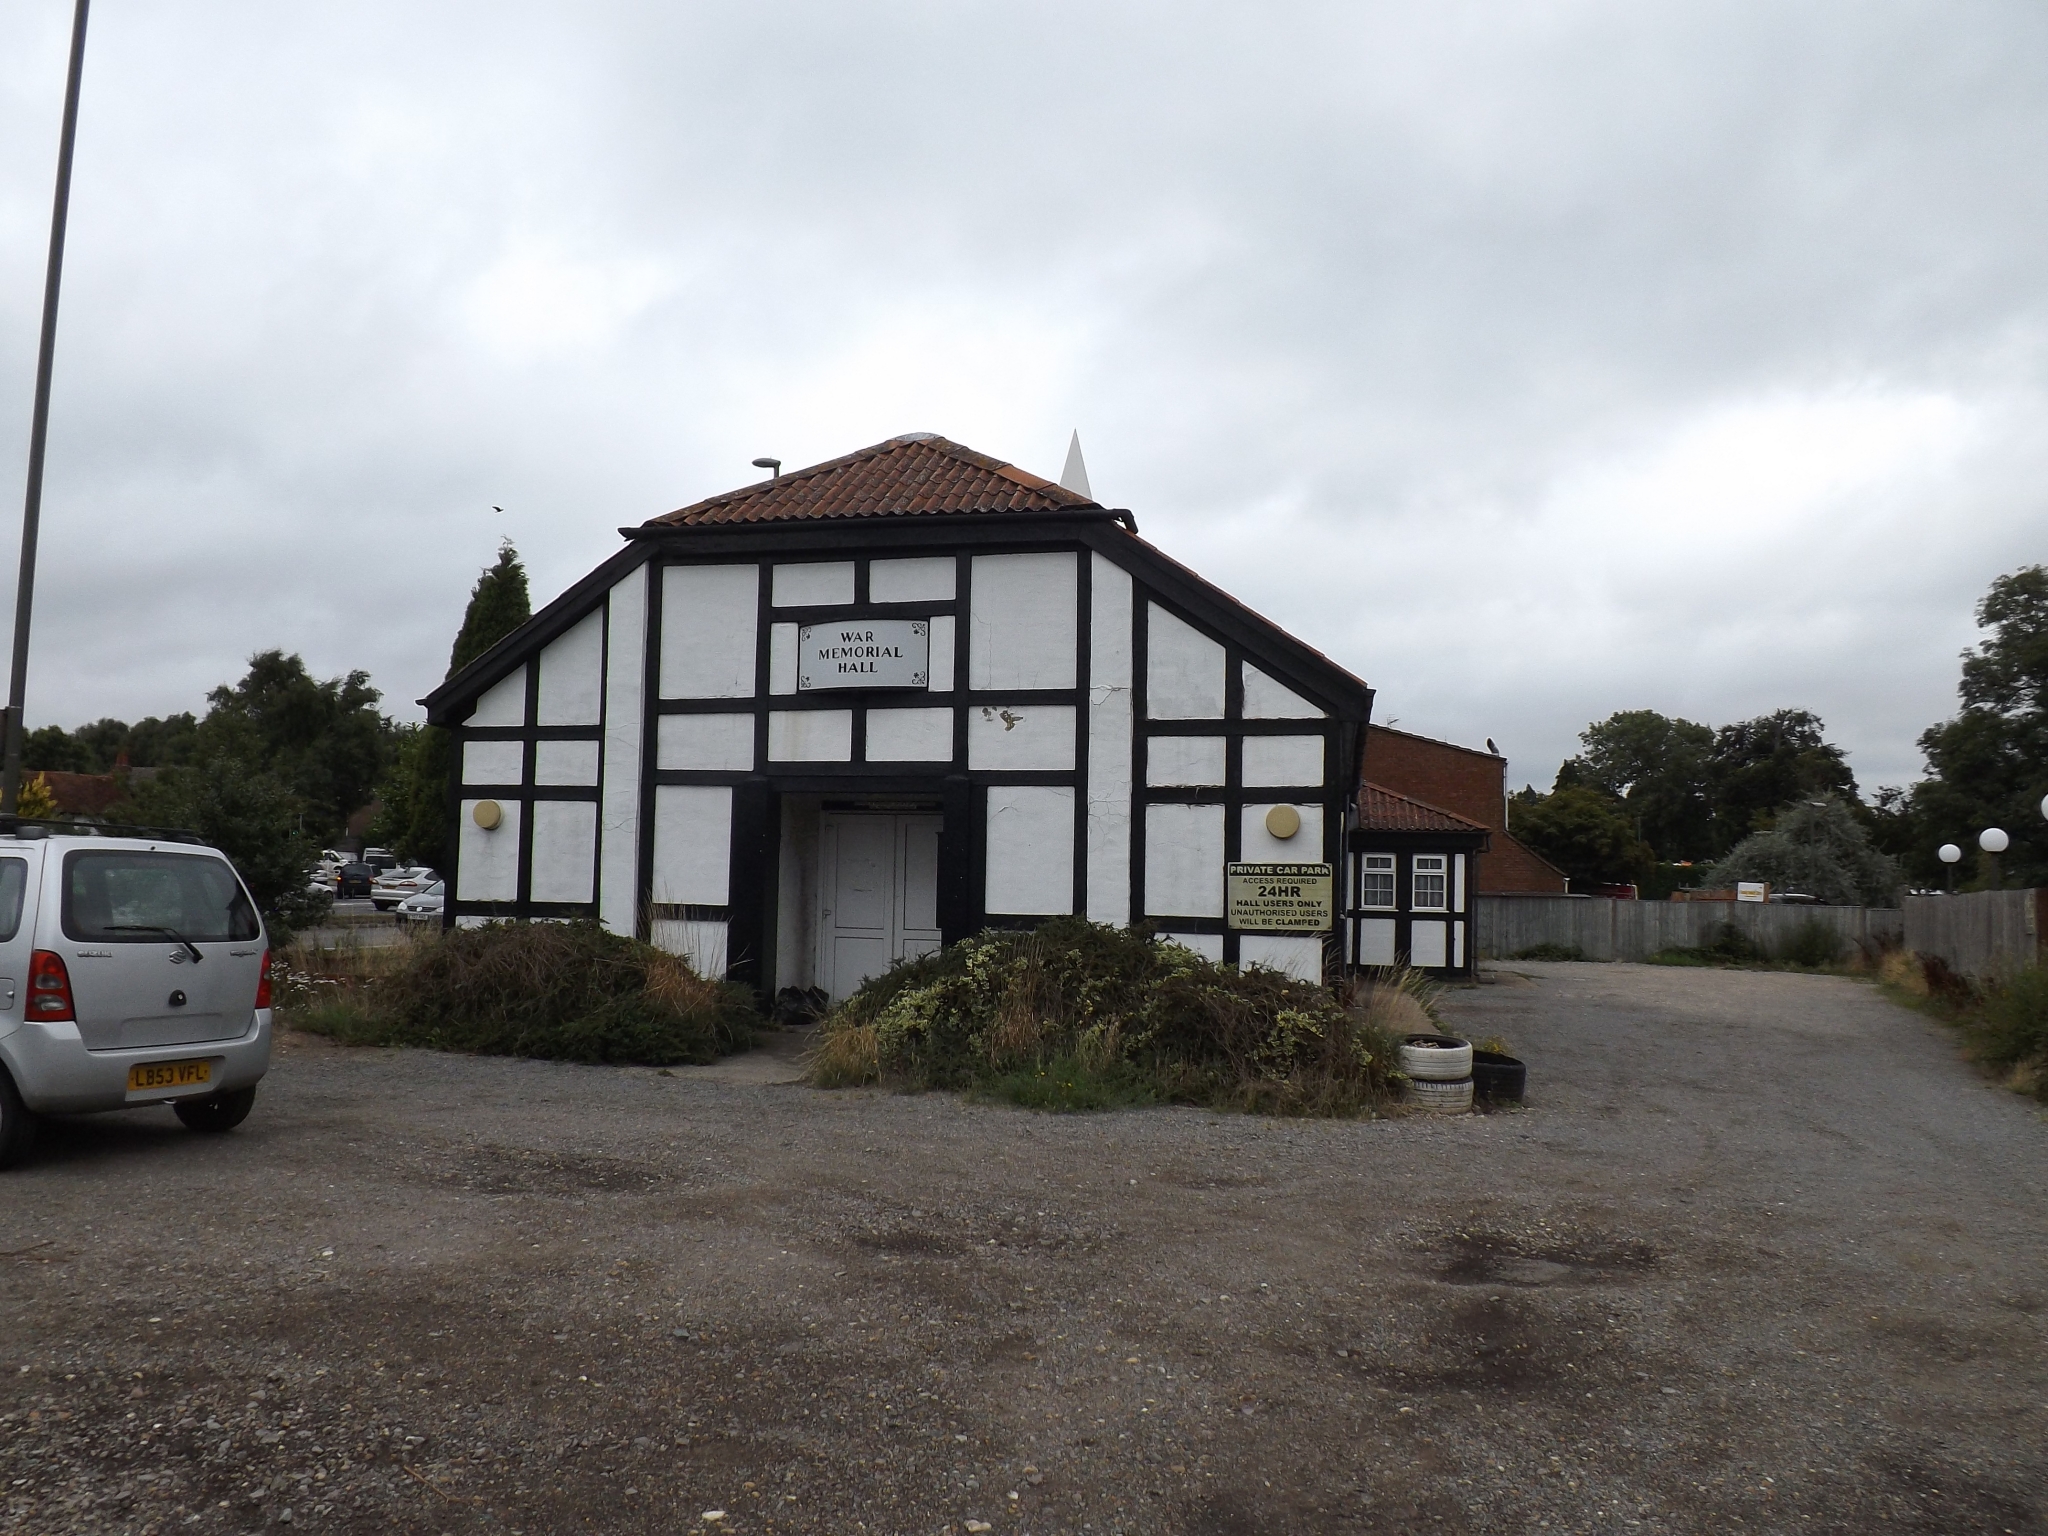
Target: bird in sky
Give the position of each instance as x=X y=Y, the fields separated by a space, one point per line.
x=1491 y=747
x=497 y=509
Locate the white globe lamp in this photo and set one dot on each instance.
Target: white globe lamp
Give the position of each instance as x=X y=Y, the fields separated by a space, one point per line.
x=1951 y=854
x=2044 y=805
x=1993 y=840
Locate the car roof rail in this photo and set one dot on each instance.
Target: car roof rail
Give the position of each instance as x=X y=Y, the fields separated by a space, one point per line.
x=31 y=827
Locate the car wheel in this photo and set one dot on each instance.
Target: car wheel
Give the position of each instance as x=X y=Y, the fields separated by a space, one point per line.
x=383 y=906
x=221 y=1112
x=17 y=1125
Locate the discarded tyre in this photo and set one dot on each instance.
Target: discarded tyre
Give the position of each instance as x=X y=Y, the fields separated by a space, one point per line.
x=1441 y=1097
x=1497 y=1078
x=1436 y=1058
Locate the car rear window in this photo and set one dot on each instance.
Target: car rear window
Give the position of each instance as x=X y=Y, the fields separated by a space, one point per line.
x=147 y=898
x=13 y=886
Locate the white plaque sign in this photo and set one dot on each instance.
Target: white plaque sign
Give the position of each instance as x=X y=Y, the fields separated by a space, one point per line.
x=863 y=653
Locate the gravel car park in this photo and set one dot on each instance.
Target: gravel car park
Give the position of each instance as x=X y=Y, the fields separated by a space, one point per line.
x=426 y=1293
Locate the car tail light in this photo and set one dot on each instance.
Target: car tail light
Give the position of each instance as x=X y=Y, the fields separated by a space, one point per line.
x=263 y=982
x=49 y=988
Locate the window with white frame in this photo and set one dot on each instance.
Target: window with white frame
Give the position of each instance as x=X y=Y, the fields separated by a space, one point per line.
x=1431 y=882
x=1376 y=882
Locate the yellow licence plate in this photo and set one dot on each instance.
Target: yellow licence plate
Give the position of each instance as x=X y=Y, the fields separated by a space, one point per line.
x=169 y=1074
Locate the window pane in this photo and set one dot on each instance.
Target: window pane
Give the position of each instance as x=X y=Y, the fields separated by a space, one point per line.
x=13 y=886
x=146 y=898
x=1429 y=882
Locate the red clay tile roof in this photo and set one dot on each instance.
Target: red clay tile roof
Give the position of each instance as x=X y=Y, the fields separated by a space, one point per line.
x=906 y=476
x=1381 y=810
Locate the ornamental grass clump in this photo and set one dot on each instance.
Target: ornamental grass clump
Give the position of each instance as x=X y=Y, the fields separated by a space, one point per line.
x=1078 y=1015
x=555 y=991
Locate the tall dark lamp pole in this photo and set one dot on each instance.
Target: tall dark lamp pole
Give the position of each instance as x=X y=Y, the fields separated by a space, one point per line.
x=39 y=430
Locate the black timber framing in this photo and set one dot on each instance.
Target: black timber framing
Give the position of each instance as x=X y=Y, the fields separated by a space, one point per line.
x=1404 y=846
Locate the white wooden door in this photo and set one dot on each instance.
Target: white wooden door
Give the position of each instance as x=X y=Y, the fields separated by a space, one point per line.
x=878 y=895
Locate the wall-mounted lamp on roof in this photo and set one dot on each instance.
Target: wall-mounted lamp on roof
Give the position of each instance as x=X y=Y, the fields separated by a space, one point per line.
x=773 y=466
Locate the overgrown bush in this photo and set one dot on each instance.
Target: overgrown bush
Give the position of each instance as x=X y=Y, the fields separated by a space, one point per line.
x=557 y=991
x=1812 y=943
x=2010 y=1034
x=1078 y=1015
x=1729 y=946
x=1547 y=951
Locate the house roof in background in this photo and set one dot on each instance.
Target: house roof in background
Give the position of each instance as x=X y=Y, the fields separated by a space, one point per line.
x=1381 y=810
x=916 y=474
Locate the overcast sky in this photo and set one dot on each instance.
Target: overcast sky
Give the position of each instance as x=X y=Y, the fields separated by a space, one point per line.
x=1535 y=361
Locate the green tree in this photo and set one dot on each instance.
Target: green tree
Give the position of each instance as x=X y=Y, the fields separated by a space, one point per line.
x=100 y=746
x=325 y=741
x=1584 y=833
x=1819 y=848
x=245 y=809
x=1657 y=768
x=1758 y=766
x=1988 y=767
x=415 y=795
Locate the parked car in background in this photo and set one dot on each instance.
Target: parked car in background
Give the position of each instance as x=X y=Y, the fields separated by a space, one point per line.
x=425 y=907
x=380 y=859
x=353 y=880
x=395 y=885
x=143 y=975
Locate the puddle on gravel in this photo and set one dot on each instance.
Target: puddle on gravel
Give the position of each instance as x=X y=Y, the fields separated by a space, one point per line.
x=1486 y=1258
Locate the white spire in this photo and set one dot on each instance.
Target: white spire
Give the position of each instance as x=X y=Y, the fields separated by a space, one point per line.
x=1075 y=476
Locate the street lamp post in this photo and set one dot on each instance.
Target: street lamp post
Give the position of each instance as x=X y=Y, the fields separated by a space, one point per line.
x=1994 y=842
x=1950 y=855
x=39 y=427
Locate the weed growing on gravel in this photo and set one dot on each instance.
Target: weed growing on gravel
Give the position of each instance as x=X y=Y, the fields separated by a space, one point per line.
x=557 y=991
x=1813 y=945
x=1076 y=1015
x=1549 y=952
x=2003 y=1022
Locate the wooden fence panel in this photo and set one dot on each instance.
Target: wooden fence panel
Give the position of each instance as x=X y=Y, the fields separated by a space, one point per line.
x=1604 y=928
x=1979 y=933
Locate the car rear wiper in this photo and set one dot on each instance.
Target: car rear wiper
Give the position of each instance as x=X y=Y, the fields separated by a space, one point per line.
x=176 y=937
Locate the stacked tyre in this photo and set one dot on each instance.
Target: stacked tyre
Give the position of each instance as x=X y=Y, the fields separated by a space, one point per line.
x=1439 y=1071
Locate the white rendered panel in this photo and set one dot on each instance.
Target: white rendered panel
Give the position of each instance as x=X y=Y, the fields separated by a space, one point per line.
x=1427 y=944
x=692 y=844
x=494 y=762
x=619 y=796
x=564 y=850
x=709 y=616
x=782 y=648
x=1458 y=945
x=701 y=944
x=910 y=736
x=940 y=669
x=1294 y=954
x=1024 y=736
x=1183 y=670
x=487 y=863
x=1030 y=849
x=1109 y=743
x=1184 y=860
x=1376 y=941
x=1457 y=882
x=504 y=702
x=1208 y=945
x=1261 y=847
x=810 y=735
x=1295 y=761
x=926 y=580
x=800 y=586
x=1264 y=699
x=1183 y=760
x=1026 y=622
x=705 y=743
x=565 y=762
x=572 y=675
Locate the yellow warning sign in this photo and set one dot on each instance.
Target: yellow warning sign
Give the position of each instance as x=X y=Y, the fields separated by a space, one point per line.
x=1278 y=898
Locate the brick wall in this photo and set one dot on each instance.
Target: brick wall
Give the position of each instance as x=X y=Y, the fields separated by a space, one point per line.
x=1472 y=784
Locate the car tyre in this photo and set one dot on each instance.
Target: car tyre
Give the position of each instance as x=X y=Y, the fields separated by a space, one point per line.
x=17 y=1124
x=383 y=906
x=217 y=1113
x=1436 y=1058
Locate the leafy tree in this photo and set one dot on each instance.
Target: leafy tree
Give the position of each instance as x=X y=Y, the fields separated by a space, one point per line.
x=415 y=796
x=1760 y=765
x=324 y=740
x=1657 y=768
x=35 y=798
x=249 y=812
x=1988 y=767
x=100 y=746
x=1584 y=833
x=1819 y=848
x=171 y=742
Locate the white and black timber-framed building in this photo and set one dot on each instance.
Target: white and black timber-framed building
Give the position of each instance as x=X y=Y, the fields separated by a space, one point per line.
x=803 y=729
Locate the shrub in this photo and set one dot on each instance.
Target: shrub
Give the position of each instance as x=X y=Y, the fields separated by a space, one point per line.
x=1549 y=951
x=1078 y=1015
x=1812 y=943
x=556 y=991
x=2011 y=1031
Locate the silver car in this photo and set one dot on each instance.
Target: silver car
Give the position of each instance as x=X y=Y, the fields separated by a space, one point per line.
x=133 y=971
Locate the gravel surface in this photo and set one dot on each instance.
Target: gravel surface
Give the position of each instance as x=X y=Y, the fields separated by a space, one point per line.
x=1761 y=1254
